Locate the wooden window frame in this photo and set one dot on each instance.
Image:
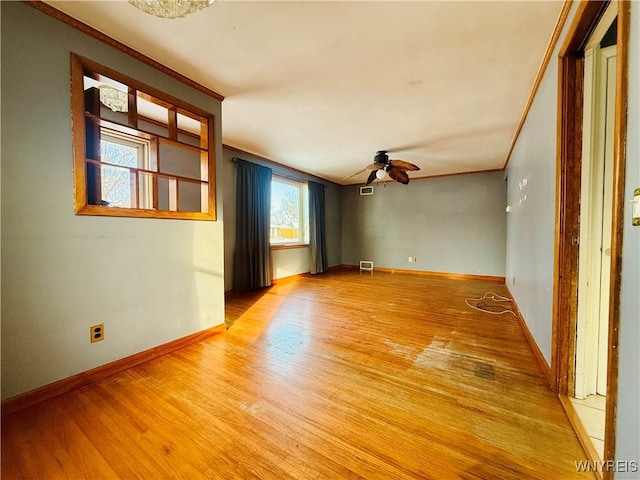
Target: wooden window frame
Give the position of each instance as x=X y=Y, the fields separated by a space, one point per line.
x=81 y=67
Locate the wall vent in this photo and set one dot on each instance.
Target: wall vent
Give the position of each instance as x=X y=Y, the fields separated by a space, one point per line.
x=366 y=265
x=368 y=190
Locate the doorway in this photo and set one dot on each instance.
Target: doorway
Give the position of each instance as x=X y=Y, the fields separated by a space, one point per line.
x=594 y=253
x=590 y=186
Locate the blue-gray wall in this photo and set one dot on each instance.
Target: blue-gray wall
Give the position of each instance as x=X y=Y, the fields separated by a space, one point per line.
x=149 y=281
x=453 y=224
x=628 y=425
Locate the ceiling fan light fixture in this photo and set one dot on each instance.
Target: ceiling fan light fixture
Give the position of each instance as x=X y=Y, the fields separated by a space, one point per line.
x=380 y=174
x=113 y=98
x=170 y=8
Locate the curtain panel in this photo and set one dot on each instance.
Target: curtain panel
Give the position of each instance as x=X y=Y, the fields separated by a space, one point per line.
x=317 y=246
x=252 y=262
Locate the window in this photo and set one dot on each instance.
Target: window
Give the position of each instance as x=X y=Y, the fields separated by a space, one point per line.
x=120 y=156
x=137 y=151
x=289 y=212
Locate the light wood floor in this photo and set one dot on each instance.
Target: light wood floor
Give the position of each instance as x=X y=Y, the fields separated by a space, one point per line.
x=336 y=376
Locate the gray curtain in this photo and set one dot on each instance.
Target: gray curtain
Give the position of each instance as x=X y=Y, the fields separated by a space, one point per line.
x=317 y=247
x=251 y=262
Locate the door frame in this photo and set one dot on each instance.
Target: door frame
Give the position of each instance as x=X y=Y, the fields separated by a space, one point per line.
x=568 y=173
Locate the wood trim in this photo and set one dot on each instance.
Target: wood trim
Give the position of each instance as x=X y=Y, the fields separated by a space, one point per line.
x=150 y=93
x=581 y=433
x=619 y=155
x=298 y=179
x=47 y=392
x=305 y=175
x=568 y=186
x=333 y=268
x=562 y=18
x=441 y=175
x=158 y=123
x=568 y=167
x=179 y=144
x=153 y=173
x=132 y=107
x=79 y=129
x=537 y=353
x=584 y=21
x=100 y=211
x=213 y=158
x=288 y=247
x=570 y=101
x=112 y=42
x=425 y=273
x=289 y=278
x=80 y=66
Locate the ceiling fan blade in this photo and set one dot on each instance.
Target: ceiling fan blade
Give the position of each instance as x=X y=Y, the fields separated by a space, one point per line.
x=398 y=175
x=404 y=165
x=351 y=176
x=375 y=166
x=372 y=177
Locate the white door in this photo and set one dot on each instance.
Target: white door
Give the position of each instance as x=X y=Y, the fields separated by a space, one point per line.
x=608 y=73
x=595 y=222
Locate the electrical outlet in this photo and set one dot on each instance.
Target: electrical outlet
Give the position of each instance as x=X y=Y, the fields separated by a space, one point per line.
x=415 y=259
x=97 y=332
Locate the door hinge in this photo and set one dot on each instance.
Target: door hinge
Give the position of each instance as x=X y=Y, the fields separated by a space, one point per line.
x=575 y=240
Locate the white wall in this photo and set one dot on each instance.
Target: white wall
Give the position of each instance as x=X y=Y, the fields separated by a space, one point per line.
x=453 y=224
x=149 y=281
x=530 y=234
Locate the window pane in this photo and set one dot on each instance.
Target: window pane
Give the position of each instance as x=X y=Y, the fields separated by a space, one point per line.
x=152 y=115
x=118 y=154
x=189 y=197
x=180 y=161
x=116 y=182
x=164 y=201
x=285 y=213
x=121 y=186
x=116 y=187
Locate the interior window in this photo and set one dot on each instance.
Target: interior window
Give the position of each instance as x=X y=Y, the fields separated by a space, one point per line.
x=289 y=212
x=137 y=151
x=122 y=157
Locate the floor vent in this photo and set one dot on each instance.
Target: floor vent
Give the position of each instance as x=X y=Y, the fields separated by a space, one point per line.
x=366 y=265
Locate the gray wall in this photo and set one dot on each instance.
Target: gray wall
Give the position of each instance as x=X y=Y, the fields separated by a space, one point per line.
x=284 y=262
x=531 y=222
x=530 y=234
x=149 y=281
x=451 y=224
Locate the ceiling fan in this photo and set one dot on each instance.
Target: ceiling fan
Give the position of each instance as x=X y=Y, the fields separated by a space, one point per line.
x=382 y=165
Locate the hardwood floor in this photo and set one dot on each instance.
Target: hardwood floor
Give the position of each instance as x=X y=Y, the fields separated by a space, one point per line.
x=344 y=375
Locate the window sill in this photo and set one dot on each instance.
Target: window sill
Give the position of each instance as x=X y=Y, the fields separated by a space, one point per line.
x=276 y=246
x=140 y=213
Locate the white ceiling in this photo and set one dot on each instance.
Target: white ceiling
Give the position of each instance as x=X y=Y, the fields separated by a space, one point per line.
x=321 y=86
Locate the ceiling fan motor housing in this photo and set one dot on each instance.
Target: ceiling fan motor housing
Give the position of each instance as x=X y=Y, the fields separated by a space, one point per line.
x=381 y=157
